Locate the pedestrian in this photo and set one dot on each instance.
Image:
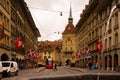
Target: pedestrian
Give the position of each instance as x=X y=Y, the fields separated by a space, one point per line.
x=55 y=67
x=21 y=66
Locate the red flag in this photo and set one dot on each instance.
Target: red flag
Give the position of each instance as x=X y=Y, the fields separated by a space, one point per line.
x=18 y=43
x=37 y=56
x=99 y=46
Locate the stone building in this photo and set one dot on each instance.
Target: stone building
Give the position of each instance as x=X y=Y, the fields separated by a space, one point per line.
x=93 y=26
x=69 y=42
x=18 y=22
x=50 y=49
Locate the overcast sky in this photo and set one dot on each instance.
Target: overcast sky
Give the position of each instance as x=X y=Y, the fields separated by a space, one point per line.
x=46 y=14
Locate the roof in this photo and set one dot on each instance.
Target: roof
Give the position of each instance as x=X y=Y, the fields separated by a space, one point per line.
x=69 y=29
x=51 y=44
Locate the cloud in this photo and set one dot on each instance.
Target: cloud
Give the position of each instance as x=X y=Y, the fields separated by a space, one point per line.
x=46 y=14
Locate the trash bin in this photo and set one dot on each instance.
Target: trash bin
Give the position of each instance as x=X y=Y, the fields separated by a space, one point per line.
x=93 y=67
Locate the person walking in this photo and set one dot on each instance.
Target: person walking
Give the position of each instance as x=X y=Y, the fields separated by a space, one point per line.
x=55 y=67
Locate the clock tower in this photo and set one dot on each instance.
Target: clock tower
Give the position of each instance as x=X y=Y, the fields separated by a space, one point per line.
x=69 y=42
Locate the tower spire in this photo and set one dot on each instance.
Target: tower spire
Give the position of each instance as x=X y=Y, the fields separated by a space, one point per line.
x=70 y=19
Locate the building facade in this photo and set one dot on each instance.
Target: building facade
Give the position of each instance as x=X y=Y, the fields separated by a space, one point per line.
x=69 y=42
x=93 y=26
x=18 y=22
x=50 y=50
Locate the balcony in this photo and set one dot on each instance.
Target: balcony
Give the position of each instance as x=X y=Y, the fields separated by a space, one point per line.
x=68 y=51
x=115 y=47
x=4 y=46
x=93 y=51
x=109 y=49
x=105 y=50
x=93 y=40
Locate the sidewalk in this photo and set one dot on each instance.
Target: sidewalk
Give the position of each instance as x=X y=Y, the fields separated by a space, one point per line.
x=85 y=70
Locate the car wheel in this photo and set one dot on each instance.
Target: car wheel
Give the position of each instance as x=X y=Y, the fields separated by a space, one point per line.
x=16 y=73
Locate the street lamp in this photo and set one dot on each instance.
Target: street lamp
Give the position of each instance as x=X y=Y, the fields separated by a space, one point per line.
x=112 y=10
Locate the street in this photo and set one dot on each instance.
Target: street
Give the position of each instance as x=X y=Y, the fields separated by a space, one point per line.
x=63 y=73
x=43 y=73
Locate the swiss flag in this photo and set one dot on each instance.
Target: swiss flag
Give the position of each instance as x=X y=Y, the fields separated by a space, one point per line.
x=18 y=43
x=99 y=46
x=31 y=53
x=78 y=54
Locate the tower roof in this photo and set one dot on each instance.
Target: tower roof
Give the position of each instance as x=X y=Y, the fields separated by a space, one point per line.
x=70 y=19
x=70 y=27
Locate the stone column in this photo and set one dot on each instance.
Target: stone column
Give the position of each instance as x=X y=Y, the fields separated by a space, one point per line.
x=108 y=68
x=112 y=62
x=102 y=61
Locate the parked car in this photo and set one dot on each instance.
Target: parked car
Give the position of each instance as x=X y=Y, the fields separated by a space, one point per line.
x=10 y=68
x=1 y=69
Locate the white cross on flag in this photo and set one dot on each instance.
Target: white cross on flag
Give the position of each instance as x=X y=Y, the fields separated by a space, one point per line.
x=18 y=43
x=78 y=54
x=31 y=53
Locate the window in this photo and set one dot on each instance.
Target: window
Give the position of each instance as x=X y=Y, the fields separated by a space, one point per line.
x=110 y=24
x=11 y=65
x=116 y=19
x=66 y=48
x=0 y=16
x=110 y=41
x=92 y=34
x=45 y=53
x=89 y=36
x=116 y=39
x=49 y=56
x=71 y=48
x=7 y=6
x=45 y=57
x=66 y=42
x=105 y=43
x=5 y=64
x=7 y=24
x=71 y=41
x=7 y=41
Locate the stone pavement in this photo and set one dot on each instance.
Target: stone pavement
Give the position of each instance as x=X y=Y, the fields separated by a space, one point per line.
x=85 y=74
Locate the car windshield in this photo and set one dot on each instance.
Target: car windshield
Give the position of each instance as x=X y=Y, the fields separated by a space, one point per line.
x=5 y=64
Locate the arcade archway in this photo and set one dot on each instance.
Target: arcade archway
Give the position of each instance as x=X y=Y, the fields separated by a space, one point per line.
x=4 y=57
x=68 y=61
x=115 y=60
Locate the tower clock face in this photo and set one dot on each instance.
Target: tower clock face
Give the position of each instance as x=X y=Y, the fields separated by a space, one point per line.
x=68 y=28
x=70 y=20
